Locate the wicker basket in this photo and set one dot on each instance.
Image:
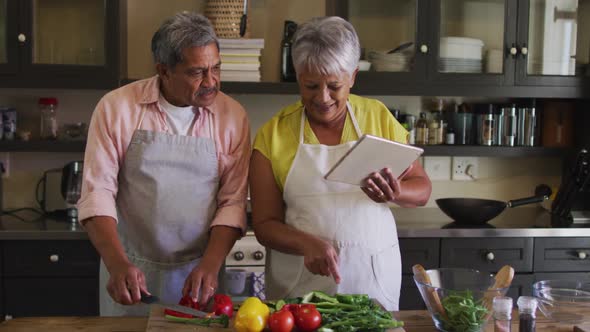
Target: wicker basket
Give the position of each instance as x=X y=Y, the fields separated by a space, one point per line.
x=225 y=16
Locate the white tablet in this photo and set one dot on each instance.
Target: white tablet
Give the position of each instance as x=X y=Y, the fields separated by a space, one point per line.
x=372 y=154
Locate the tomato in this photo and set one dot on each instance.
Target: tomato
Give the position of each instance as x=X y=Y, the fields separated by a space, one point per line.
x=281 y=321
x=307 y=318
x=187 y=301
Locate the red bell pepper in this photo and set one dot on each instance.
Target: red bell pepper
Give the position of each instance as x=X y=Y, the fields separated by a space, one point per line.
x=222 y=305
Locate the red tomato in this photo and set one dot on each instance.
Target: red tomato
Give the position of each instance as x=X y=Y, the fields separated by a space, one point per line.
x=281 y=321
x=308 y=318
x=187 y=301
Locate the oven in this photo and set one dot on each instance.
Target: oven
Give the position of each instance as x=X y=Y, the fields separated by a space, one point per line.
x=244 y=269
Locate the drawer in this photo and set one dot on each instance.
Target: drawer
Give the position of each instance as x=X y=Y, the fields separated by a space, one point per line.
x=419 y=251
x=562 y=254
x=50 y=258
x=488 y=254
x=51 y=297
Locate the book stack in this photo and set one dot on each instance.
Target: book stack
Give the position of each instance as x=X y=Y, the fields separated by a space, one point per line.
x=240 y=59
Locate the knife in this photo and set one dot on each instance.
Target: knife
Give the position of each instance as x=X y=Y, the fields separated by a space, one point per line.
x=244 y=19
x=152 y=299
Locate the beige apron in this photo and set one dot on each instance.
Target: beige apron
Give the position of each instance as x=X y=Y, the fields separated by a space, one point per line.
x=166 y=200
x=362 y=231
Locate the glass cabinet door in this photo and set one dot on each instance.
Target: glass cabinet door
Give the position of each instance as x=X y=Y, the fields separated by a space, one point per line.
x=8 y=36
x=558 y=39
x=387 y=32
x=68 y=32
x=471 y=37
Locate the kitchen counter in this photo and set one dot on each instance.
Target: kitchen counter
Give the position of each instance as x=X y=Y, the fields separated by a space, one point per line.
x=415 y=321
x=411 y=223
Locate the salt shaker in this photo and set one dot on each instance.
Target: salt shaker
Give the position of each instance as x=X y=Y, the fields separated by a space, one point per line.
x=502 y=306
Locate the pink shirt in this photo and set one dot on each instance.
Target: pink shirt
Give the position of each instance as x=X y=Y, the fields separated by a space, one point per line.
x=116 y=117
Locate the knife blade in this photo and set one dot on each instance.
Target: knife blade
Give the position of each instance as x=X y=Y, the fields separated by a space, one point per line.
x=153 y=299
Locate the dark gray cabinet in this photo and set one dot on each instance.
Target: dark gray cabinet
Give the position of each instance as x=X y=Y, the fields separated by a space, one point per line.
x=527 y=51
x=59 y=44
x=49 y=278
x=533 y=259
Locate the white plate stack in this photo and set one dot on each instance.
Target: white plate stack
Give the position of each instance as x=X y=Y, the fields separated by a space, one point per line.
x=460 y=55
x=240 y=59
x=381 y=61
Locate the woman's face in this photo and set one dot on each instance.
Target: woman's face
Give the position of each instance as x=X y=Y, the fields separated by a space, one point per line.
x=324 y=97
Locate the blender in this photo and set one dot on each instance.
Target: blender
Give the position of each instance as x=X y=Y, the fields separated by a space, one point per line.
x=71 y=187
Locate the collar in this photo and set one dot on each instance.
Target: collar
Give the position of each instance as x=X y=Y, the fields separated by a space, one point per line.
x=151 y=93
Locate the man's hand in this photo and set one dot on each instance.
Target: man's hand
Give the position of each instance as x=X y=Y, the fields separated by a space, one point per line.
x=201 y=283
x=321 y=258
x=126 y=284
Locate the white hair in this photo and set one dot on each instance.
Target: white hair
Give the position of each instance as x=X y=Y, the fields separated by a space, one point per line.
x=326 y=45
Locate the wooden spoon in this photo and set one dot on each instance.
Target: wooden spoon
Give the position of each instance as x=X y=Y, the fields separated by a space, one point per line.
x=503 y=279
x=431 y=294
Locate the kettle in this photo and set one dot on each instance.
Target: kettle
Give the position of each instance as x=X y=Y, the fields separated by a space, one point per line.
x=71 y=187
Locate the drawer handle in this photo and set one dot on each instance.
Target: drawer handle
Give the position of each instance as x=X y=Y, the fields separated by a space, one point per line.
x=582 y=255
x=54 y=258
x=490 y=256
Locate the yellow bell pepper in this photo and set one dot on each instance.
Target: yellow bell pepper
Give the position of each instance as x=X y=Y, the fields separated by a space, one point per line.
x=252 y=316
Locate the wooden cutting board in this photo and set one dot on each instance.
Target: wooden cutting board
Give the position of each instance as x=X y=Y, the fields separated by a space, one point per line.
x=157 y=323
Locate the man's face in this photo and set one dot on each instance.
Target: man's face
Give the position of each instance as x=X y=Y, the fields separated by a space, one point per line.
x=195 y=81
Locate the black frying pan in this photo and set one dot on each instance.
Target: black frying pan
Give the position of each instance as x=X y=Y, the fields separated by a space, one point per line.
x=476 y=211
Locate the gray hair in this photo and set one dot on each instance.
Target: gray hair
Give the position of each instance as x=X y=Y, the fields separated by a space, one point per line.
x=179 y=32
x=326 y=45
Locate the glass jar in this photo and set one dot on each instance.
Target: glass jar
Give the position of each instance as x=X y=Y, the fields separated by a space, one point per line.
x=48 y=109
x=422 y=130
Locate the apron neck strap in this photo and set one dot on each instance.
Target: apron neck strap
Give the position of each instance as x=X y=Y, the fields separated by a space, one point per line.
x=359 y=133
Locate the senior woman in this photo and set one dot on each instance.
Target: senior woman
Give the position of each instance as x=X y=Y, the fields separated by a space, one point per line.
x=325 y=235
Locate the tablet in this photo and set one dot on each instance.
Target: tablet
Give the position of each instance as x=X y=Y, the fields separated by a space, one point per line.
x=372 y=154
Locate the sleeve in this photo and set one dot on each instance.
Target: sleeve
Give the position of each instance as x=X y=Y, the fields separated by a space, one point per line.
x=101 y=167
x=260 y=143
x=233 y=181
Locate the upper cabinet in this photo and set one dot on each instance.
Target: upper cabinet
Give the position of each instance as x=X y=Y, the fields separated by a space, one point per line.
x=535 y=48
x=59 y=43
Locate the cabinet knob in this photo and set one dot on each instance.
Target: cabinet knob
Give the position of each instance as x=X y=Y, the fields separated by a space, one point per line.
x=239 y=255
x=22 y=38
x=490 y=256
x=54 y=258
x=582 y=255
x=424 y=49
x=524 y=50
x=513 y=51
x=258 y=255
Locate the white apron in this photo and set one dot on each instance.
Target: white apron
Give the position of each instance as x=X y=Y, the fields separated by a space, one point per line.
x=362 y=231
x=166 y=200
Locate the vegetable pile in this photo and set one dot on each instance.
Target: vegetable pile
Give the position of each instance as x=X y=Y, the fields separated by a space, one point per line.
x=339 y=313
x=464 y=314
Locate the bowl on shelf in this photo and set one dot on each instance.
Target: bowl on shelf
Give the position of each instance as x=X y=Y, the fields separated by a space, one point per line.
x=566 y=301
x=460 y=299
x=364 y=65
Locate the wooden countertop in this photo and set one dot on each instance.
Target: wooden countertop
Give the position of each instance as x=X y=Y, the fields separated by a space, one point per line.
x=415 y=320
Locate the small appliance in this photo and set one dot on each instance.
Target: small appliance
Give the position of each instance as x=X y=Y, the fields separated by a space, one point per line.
x=71 y=188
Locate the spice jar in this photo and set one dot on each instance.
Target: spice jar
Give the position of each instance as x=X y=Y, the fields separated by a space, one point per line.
x=48 y=109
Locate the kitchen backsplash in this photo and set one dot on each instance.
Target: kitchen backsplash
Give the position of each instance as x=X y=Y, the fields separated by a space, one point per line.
x=501 y=179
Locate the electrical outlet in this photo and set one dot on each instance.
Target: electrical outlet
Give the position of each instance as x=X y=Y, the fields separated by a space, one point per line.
x=5 y=161
x=438 y=168
x=465 y=168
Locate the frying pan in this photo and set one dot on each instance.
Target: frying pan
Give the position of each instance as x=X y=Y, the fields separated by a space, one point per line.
x=477 y=211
